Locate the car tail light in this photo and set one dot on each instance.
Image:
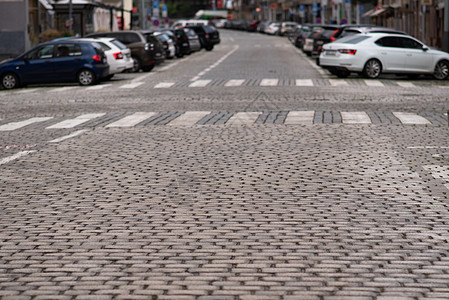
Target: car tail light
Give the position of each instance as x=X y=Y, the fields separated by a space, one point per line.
x=320 y=48
x=118 y=55
x=96 y=58
x=348 y=51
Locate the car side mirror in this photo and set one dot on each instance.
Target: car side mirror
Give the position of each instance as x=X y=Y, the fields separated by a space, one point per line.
x=425 y=48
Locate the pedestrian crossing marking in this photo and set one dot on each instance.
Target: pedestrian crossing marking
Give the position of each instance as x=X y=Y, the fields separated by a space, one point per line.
x=20 y=124
x=98 y=87
x=75 y=122
x=299 y=117
x=439 y=172
x=410 y=118
x=62 y=89
x=242 y=118
x=355 y=117
x=235 y=82
x=304 y=82
x=164 y=85
x=338 y=82
x=132 y=120
x=131 y=85
x=200 y=83
x=405 y=84
x=374 y=83
x=189 y=118
x=269 y=82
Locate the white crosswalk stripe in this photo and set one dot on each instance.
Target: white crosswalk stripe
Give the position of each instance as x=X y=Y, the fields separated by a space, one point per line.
x=235 y=82
x=374 y=83
x=299 y=117
x=200 y=83
x=405 y=84
x=410 y=118
x=304 y=82
x=20 y=124
x=269 y=82
x=75 y=122
x=338 y=82
x=164 y=85
x=98 y=87
x=355 y=117
x=189 y=118
x=131 y=85
x=243 y=118
x=439 y=172
x=132 y=120
x=63 y=89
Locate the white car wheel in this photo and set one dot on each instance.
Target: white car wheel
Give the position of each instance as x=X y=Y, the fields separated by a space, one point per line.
x=441 y=70
x=372 y=68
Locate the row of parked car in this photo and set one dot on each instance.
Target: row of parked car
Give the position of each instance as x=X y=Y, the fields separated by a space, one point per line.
x=99 y=56
x=369 y=51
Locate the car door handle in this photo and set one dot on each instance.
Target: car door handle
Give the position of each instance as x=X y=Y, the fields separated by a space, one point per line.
x=383 y=53
x=409 y=54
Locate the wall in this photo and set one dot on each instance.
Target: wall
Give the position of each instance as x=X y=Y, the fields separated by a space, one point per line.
x=14 y=38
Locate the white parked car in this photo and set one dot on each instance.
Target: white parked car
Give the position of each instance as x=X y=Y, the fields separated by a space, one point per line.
x=376 y=53
x=273 y=28
x=118 y=55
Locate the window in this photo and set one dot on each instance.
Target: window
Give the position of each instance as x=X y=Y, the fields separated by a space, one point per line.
x=104 y=46
x=409 y=43
x=44 y=52
x=390 y=41
x=66 y=50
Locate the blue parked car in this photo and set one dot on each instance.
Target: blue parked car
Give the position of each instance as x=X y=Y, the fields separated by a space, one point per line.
x=57 y=61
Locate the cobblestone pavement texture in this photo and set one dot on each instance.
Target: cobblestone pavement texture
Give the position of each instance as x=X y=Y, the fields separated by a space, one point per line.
x=260 y=211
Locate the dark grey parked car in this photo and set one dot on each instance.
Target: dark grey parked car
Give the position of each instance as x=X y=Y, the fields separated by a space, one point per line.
x=146 y=51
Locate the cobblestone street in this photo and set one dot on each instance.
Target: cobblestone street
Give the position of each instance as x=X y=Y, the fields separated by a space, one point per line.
x=217 y=210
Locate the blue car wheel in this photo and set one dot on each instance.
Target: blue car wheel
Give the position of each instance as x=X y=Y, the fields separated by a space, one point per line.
x=86 y=77
x=10 y=81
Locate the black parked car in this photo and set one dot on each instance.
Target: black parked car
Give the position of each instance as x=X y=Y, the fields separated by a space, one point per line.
x=208 y=36
x=181 y=41
x=146 y=51
x=326 y=35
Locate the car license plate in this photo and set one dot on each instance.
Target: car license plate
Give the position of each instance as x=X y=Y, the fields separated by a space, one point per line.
x=331 y=52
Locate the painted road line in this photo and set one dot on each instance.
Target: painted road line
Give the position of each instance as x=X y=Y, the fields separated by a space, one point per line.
x=164 y=85
x=215 y=64
x=63 y=89
x=410 y=118
x=20 y=124
x=131 y=85
x=66 y=137
x=243 y=118
x=405 y=84
x=355 y=117
x=338 y=82
x=374 y=83
x=27 y=91
x=269 y=82
x=304 y=82
x=75 y=122
x=299 y=117
x=15 y=156
x=235 y=82
x=200 y=83
x=132 y=120
x=438 y=171
x=189 y=118
x=98 y=87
